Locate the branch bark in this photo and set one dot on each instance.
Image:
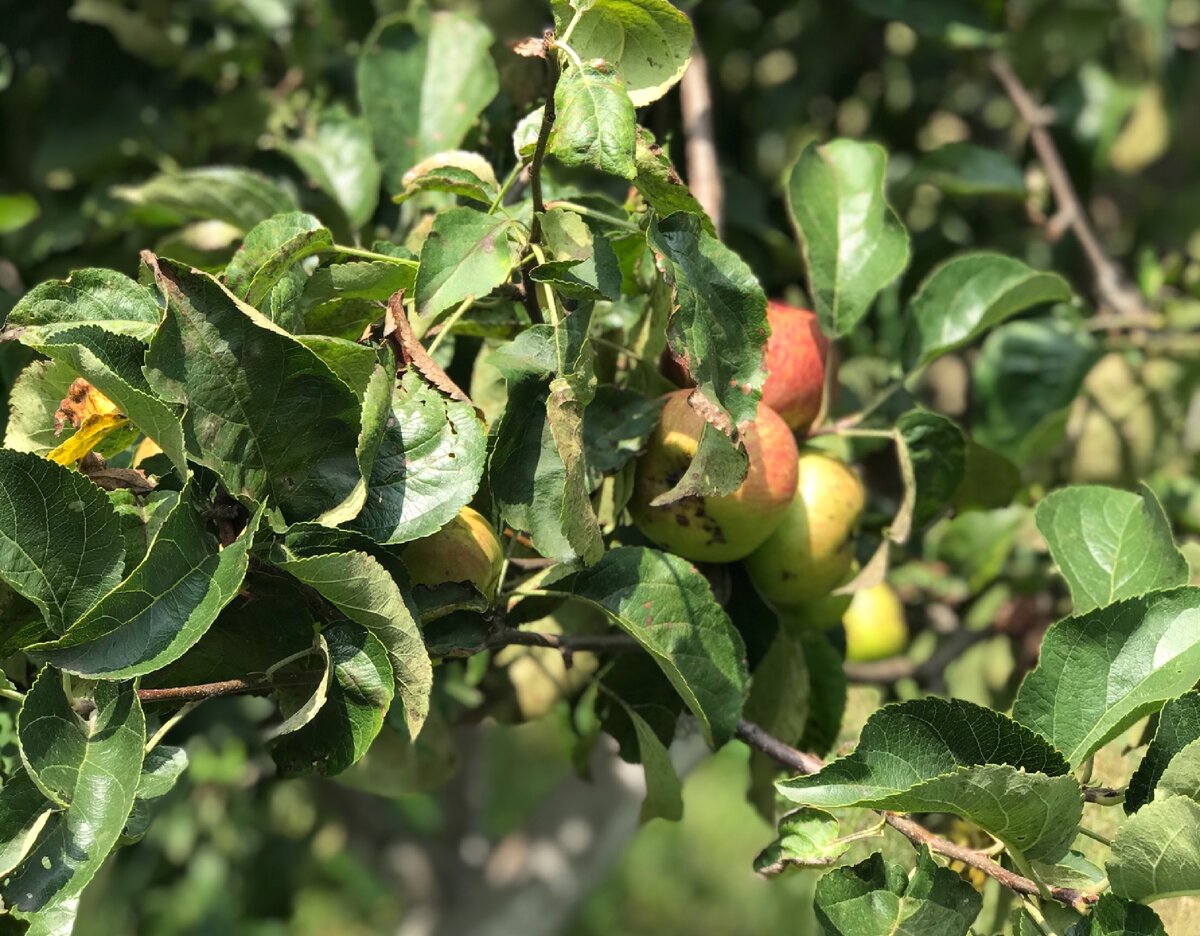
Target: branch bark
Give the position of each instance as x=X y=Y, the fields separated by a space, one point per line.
x=1111 y=288
x=789 y=757
x=704 y=173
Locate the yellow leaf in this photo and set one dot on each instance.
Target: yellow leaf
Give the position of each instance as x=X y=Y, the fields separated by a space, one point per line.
x=94 y=430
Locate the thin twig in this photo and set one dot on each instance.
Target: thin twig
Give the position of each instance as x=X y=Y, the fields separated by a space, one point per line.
x=539 y=151
x=226 y=687
x=704 y=174
x=789 y=757
x=1111 y=288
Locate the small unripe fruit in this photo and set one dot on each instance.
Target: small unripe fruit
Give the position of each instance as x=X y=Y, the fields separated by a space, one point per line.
x=795 y=360
x=811 y=552
x=466 y=549
x=875 y=625
x=713 y=529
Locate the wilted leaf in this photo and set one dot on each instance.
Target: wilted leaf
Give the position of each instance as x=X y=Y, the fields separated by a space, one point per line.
x=660 y=184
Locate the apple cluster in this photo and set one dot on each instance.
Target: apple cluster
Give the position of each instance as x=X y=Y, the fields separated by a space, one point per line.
x=794 y=518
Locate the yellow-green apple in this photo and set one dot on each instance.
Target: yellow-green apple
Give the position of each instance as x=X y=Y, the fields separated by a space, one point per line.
x=466 y=549
x=811 y=552
x=875 y=624
x=713 y=529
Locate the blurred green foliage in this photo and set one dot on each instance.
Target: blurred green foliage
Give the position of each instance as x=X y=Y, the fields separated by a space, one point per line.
x=97 y=94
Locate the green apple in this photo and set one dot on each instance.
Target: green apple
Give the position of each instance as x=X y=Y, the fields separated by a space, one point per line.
x=811 y=552
x=466 y=549
x=875 y=624
x=713 y=529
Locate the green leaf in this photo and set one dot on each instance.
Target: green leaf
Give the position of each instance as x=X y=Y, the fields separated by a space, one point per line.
x=1110 y=544
x=90 y=766
x=112 y=363
x=827 y=696
x=1113 y=916
x=582 y=262
x=359 y=587
x=664 y=791
x=360 y=692
x=467 y=254
x=852 y=241
x=968 y=296
x=1101 y=671
x=422 y=91
x=104 y=298
x=301 y=705
x=649 y=41
x=1027 y=375
x=456 y=172
x=967 y=169
x=264 y=412
x=720 y=318
x=269 y=253
x=535 y=485
x=937 y=451
x=876 y=896
x=161 y=770
x=778 y=703
x=32 y=402
x=976 y=545
x=660 y=184
x=616 y=426
x=958 y=22
x=1178 y=727
x=239 y=197
x=60 y=542
x=934 y=755
x=990 y=480
x=594 y=122
x=1156 y=852
x=376 y=280
x=429 y=464
x=1182 y=776
x=16 y=211
x=337 y=155
x=667 y=606
x=164 y=606
x=24 y=812
x=808 y=838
